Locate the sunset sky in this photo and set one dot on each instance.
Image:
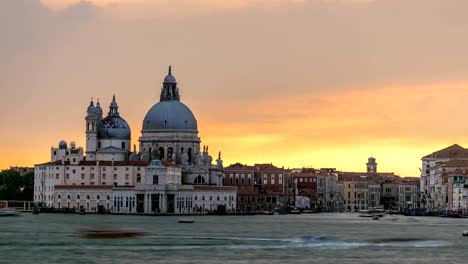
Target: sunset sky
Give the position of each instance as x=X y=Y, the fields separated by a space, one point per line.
x=316 y=83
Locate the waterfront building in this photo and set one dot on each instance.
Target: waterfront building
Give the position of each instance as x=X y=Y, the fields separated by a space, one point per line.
x=318 y=185
x=355 y=190
x=431 y=182
x=408 y=193
x=259 y=186
x=168 y=175
x=304 y=184
x=374 y=193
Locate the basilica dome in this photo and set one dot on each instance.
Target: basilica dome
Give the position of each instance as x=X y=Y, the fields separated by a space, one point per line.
x=169 y=115
x=113 y=127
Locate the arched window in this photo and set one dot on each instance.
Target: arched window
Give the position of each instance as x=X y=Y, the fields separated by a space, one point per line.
x=169 y=154
x=59 y=196
x=78 y=197
x=97 y=197
x=108 y=197
x=189 y=153
x=87 y=197
x=138 y=178
x=161 y=153
x=68 y=197
x=199 y=180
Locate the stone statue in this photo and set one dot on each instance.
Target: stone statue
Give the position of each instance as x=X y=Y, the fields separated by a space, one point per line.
x=184 y=159
x=198 y=159
x=219 y=162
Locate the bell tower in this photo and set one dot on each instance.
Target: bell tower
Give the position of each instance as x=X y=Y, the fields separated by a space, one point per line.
x=371 y=165
x=93 y=116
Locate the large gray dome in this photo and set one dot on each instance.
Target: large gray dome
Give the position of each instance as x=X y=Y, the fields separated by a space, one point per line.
x=113 y=127
x=169 y=116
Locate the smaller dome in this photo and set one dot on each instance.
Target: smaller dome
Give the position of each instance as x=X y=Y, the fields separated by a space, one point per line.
x=91 y=108
x=98 y=110
x=113 y=127
x=63 y=144
x=170 y=79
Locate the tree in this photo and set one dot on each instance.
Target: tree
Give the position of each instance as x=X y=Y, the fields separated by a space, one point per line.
x=15 y=186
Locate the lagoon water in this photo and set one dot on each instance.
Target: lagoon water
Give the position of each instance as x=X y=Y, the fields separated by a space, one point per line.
x=317 y=238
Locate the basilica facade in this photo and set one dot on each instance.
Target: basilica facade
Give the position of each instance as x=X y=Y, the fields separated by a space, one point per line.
x=169 y=173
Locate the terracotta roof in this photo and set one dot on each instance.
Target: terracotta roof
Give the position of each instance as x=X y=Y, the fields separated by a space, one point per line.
x=214 y=188
x=84 y=187
x=267 y=167
x=453 y=151
x=455 y=163
x=239 y=166
x=304 y=175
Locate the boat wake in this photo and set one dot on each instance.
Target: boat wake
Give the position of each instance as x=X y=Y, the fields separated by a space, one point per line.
x=319 y=242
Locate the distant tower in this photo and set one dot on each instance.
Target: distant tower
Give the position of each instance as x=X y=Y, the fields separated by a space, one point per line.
x=371 y=165
x=93 y=116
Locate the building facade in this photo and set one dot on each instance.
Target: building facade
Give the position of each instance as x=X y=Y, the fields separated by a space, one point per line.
x=169 y=174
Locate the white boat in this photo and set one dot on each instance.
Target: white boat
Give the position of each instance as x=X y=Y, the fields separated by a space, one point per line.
x=8 y=213
x=374 y=213
x=465 y=233
x=186 y=220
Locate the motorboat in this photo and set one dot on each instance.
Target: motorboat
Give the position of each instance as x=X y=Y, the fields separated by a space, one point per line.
x=374 y=212
x=108 y=233
x=465 y=233
x=35 y=210
x=186 y=221
x=8 y=213
x=295 y=210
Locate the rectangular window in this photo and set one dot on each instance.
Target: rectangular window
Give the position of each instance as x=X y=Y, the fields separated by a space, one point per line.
x=115 y=176
x=273 y=179
x=92 y=168
x=103 y=176
x=115 y=168
x=73 y=171
x=67 y=176
x=265 y=180
x=155 y=179
x=126 y=177
x=82 y=176
x=280 y=181
x=92 y=176
x=56 y=176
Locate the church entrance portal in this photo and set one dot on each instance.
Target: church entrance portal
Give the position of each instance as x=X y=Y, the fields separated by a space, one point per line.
x=140 y=203
x=170 y=203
